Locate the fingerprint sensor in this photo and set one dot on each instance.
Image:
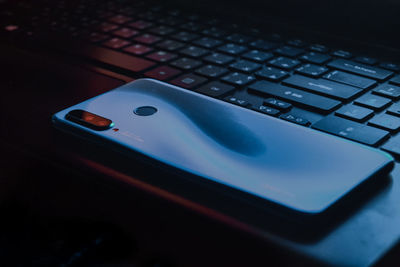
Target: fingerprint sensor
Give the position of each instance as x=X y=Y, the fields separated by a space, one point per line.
x=145 y=111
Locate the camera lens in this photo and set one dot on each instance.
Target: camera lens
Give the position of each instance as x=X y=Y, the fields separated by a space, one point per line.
x=89 y=120
x=145 y=111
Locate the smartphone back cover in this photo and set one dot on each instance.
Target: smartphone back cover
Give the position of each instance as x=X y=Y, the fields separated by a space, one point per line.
x=290 y=165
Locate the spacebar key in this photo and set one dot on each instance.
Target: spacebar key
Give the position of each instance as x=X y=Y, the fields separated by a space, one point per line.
x=351 y=130
x=115 y=58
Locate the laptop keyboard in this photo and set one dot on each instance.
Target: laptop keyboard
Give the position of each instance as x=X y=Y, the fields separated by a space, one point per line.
x=332 y=90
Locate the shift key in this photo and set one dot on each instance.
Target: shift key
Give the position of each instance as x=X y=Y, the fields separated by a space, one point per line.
x=351 y=130
x=324 y=87
x=361 y=69
x=319 y=103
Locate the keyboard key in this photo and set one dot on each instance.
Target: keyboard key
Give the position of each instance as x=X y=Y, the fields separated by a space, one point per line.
x=107 y=27
x=342 y=54
x=366 y=60
x=96 y=37
x=311 y=70
x=373 y=101
x=316 y=58
x=351 y=130
x=103 y=13
x=138 y=49
x=388 y=90
x=394 y=109
x=214 y=32
x=125 y=32
x=297 y=43
x=236 y=78
x=386 y=122
x=238 y=38
x=316 y=102
x=194 y=51
x=162 y=73
x=319 y=48
x=140 y=24
x=354 y=113
x=258 y=56
x=191 y=26
x=350 y=79
x=263 y=45
x=289 y=51
x=211 y=71
x=207 y=42
x=170 y=45
x=162 y=30
x=390 y=66
x=295 y=119
x=266 y=110
x=393 y=146
x=219 y=59
x=284 y=63
x=245 y=66
x=360 y=69
x=272 y=74
x=147 y=39
x=237 y=101
x=232 y=49
x=278 y=104
x=116 y=43
x=115 y=58
x=216 y=89
x=161 y=56
x=396 y=80
x=185 y=36
x=324 y=87
x=275 y=37
x=119 y=19
x=189 y=81
x=169 y=20
x=186 y=63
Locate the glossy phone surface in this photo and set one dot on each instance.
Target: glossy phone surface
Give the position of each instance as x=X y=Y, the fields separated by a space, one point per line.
x=293 y=166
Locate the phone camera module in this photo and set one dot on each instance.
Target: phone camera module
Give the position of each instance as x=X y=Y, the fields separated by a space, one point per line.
x=89 y=120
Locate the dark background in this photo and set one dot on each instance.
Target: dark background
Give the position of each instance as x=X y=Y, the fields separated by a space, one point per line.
x=368 y=20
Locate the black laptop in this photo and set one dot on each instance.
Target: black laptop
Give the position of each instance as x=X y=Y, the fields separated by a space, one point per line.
x=344 y=53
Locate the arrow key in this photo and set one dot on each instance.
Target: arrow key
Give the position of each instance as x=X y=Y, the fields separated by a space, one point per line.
x=295 y=119
x=278 y=104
